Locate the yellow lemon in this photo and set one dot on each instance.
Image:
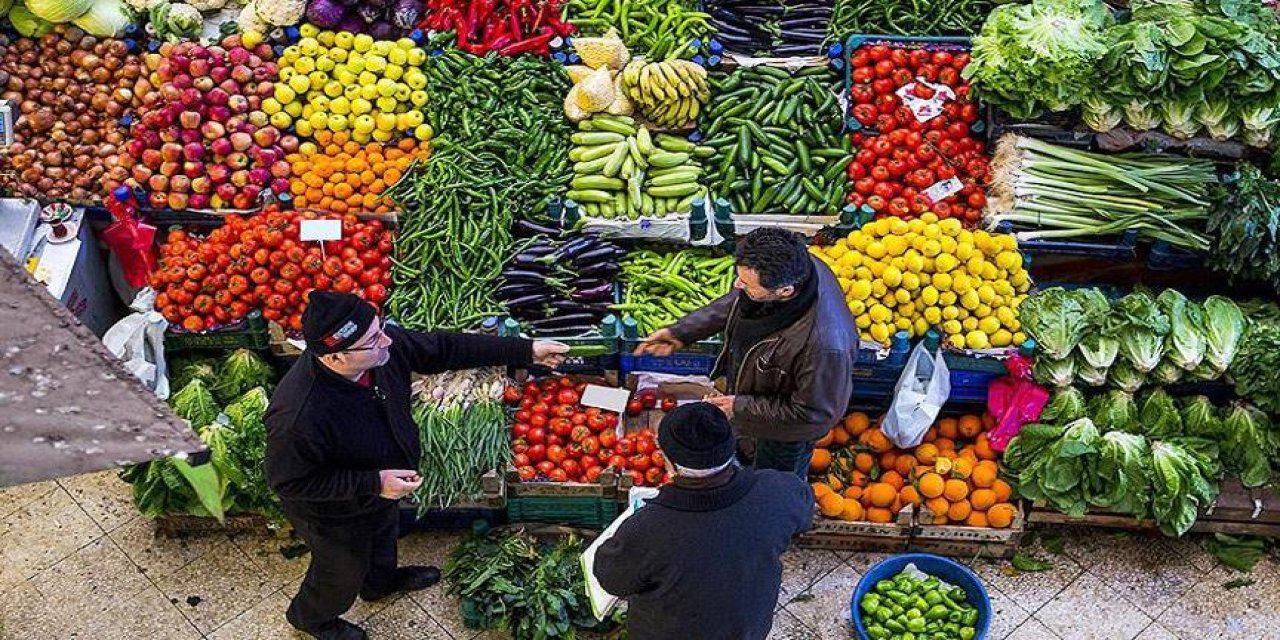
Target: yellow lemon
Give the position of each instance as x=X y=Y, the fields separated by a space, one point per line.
x=375 y=63
x=398 y=56
x=325 y=64
x=919 y=327
x=343 y=39
x=283 y=94
x=960 y=282
x=416 y=57
x=931 y=248
x=360 y=106
x=879 y=313
x=910 y=281
x=280 y=120
x=333 y=89
x=878 y=289
x=989 y=325
x=363 y=123
x=362 y=42
x=950 y=226
x=1019 y=337
x=942 y=281
x=932 y=315
x=337 y=122
x=946 y=262
x=929 y=295
x=969 y=324
x=957 y=342
x=970 y=300
x=947 y=297
x=903 y=297
x=339 y=55
x=876 y=250
x=891 y=276
x=340 y=105
x=915 y=262
x=950 y=313
x=902 y=324
x=387 y=103
x=1008 y=260
x=386 y=121
x=863 y=321
x=951 y=327
x=393 y=71
x=881 y=333
x=976 y=340
x=895 y=245
x=1001 y=338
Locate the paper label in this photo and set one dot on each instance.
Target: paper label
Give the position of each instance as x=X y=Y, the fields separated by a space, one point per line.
x=943 y=190
x=320 y=230
x=605 y=398
x=925 y=109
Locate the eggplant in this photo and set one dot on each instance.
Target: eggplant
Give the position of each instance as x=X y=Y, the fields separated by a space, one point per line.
x=598 y=255
x=570 y=307
x=530 y=300
x=599 y=270
x=561 y=322
x=602 y=292
x=533 y=261
x=582 y=283
x=516 y=290
x=525 y=275
x=574 y=247
x=527 y=227
x=540 y=249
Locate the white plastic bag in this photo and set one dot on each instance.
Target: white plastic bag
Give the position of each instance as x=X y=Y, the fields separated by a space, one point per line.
x=922 y=389
x=138 y=340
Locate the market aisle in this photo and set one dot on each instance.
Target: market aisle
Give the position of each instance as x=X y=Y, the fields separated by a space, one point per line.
x=76 y=562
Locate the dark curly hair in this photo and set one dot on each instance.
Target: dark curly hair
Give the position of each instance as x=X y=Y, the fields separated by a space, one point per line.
x=779 y=256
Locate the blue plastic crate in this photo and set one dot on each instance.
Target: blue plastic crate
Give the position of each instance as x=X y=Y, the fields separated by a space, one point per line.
x=681 y=364
x=1166 y=257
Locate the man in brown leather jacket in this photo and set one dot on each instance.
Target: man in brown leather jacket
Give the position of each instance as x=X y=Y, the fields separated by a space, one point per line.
x=789 y=347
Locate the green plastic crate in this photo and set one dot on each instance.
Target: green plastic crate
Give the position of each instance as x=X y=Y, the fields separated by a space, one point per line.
x=250 y=333
x=588 y=512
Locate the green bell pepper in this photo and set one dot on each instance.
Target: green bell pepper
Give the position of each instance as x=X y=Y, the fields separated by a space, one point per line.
x=967 y=633
x=893 y=624
x=916 y=625
x=937 y=612
x=970 y=618
x=914 y=613
x=933 y=597
x=877 y=632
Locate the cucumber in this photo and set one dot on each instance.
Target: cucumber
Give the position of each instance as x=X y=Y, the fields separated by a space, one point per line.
x=596 y=182
x=663 y=160
x=674 y=144
x=773 y=163
x=602 y=124
x=674 y=178
x=596 y=137
x=645 y=142
x=704 y=152
x=585 y=154
x=589 y=195
x=614 y=163
x=633 y=147
x=674 y=191
x=653 y=173
x=594 y=166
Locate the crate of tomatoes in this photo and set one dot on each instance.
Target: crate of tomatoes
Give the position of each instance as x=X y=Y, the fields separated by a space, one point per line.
x=916 y=131
x=258 y=263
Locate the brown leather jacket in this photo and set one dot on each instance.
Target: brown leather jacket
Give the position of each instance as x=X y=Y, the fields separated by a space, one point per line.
x=794 y=385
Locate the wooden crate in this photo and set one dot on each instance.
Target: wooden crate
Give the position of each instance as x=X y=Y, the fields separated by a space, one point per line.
x=183 y=526
x=1237 y=511
x=959 y=541
x=871 y=537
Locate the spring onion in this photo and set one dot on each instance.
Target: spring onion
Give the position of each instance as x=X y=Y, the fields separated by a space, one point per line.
x=463 y=427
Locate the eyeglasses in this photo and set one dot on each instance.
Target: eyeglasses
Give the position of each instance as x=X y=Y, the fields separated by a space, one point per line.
x=377 y=338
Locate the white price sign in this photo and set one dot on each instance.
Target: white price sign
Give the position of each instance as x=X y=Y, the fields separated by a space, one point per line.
x=320 y=230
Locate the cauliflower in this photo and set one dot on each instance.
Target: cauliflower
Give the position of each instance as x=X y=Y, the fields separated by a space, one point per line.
x=207 y=6
x=185 y=21
x=280 y=13
x=248 y=19
x=142 y=5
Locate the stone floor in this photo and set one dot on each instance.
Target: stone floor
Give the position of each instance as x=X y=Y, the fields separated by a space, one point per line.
x=76 y=561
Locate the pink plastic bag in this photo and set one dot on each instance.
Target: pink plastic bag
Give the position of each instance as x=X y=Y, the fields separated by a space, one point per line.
x=1014 y=400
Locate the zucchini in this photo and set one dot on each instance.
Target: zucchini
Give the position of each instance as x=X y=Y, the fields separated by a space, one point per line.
x=589 y=195
x=675 y=145
x=663 y=160
x=669 y=179
x=586 y=154
x=596 y=137
x=674 y=190
x=597 y=182
x=602 y=124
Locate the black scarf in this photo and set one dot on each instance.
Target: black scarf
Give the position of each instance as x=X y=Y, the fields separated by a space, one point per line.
x=756 y=321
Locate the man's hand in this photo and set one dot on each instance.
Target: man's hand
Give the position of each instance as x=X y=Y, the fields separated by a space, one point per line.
x=659 y=343
x=398 y=483
x=724 y=403
x=549 y=353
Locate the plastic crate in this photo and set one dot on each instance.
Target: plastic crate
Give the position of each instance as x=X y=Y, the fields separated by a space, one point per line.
x=1118 y=249
x=695 y=359
x=250 y=333
x=604 y=338
x=1166 y=257
x=577 y=511
x=935 y=43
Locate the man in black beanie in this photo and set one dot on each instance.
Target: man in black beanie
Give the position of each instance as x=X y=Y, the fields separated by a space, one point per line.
x=342 y=448
x=789 y=348
x=703 y=559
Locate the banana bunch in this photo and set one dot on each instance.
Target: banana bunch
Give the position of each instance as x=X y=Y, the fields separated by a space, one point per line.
x=668 y=93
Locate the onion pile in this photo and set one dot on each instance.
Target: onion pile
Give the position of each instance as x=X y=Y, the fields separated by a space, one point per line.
x=201 y=139
x=70 y=90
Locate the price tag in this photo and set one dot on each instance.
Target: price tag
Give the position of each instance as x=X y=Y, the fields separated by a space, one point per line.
x=925 y=109
x=320 y=230
x=605 y=398
x=943 y=190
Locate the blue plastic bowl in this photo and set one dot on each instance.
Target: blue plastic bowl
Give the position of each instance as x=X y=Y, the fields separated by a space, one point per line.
x=943 y=569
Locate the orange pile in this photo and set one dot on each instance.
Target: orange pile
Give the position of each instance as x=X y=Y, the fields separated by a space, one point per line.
x=858 y=474
x=340 y=175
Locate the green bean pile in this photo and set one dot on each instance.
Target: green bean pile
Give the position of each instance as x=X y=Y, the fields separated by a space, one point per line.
x=463 y=426
x=918 y=17
x=657 y=29
x=660 y=288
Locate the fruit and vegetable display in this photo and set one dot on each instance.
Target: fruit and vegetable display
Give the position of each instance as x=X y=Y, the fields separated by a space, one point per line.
x=952 y=477
x=338 y=174
x=655 y=29
x=507 y=27
x=919 y=152
x=555 y=438
x=258 y=262
x=910 y=275
x=621 y=170
x=668 y=93
x=777 y=140
x=561 y=287
x=772 y=28
x=1141 y=338
x=68 y=90
x=1056 y=192
x=919 y=606
x=462 y=425
x=660 y=288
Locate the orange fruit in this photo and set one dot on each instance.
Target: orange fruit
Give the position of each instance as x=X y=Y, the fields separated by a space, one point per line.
x=983 y=448
x=983 y=499
x=1001 y=515
x=888 y=460
x=853 y=493
x=961 y=468
x=840 y=437
x=893 y=479
x=945 y=444
x=970 y=426
x=959 y=511
x=1004 y=492
x=937 y=506
x=931 y=434
x=881 y=494
x=879 y=515
x=905 y=465
x=926 y=453
x=947 y=428
x=878 y=441
x=819 y=490
x=820 y=461
x=976 y=519
x=910 y=496
x=859 y=479
x=943 y=464
x=940 y=519
x=836 y=483
x=852 y=511
x=831 y=505
x=864 y=462
x=825 y=441
x=857 y=422
x=984 y=474
x=956 y=490
x=931 y=485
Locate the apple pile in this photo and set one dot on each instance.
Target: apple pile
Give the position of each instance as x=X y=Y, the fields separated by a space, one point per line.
x=201 y=139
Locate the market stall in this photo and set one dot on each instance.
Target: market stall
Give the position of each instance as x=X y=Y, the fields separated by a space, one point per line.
x=1092 y=263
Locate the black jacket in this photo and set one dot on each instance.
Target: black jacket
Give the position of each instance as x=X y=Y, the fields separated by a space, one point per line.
x=328 y=437
x=706 y=563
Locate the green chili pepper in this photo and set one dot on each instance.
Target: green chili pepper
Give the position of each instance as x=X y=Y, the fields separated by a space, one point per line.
x=933 y=597
x=876 y=632
x=967 y=633
x=916 y=625
x=894 y=625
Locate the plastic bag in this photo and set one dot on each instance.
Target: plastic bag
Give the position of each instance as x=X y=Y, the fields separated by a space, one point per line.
x=922 y=389
x=1014 y=400
x=138 y=340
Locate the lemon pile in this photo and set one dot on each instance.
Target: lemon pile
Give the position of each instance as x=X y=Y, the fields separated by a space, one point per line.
x=913 y=275
x=341 y=81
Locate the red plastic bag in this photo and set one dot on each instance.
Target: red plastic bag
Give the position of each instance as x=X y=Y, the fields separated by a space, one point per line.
x=1014 y=400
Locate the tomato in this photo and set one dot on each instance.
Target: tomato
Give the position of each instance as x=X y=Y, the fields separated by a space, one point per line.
x=879 y=52
x=282 y=287
x=668 y=403
x=645 y=446
x=861 y=94
x=608 y=440
x=375 y=293
x=526 y=473
x=899 y=207
x=948 y=76
x=637 y=478
x=511 y=395
x=654 y=475
x=877 y=203
x=579 y=433
x=610 y=420
x=556 y=454
x=352 y=266
x=332 y=266
x=639 y=462
x=618 y=462
x=567 y=396
x=883 y=86
x=865 y=114
x=546 y=467
x=977 y=200
x=882 y=147
x=193 y=323
x=561 y=427
x=863 y=75
x=592 y=474
x=520 y=429
x=594 y=423
x=634 y=407
x=919 y=57
x=564 y=410
x=903 y=77
x=659 y=459
x=625 y=446
x=884 y=68
x=571 y=468
x=558 y=475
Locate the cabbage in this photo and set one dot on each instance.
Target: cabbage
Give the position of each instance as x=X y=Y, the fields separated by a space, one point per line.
x=1179 y=118
x=1031 y=441
x=195 y=404
x=1166 y=372
x=1061 y=471
x=240 y=372
x=1224 y=327
x=1100 y=115
x=1057 y=319
x=1121 y=474
x=1249 y=444
x=1200 y=418
x=1141 y=327
x=27 y=24
x=1089 y=374
x=1114 y=410
x=1124 y=375
x=56 y=11
x=1054 y=373
x=106 y=19
x=1182 y=483
x=1066 y=405
x=1158 y=416
x=1141 y=116
x=184 y=370
x=248 y=409
x=1186 y=342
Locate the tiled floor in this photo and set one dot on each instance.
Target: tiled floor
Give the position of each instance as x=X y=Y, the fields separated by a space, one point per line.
x=76 y=561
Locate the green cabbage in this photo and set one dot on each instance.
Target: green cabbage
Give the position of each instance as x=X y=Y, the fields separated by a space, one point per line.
x=1255 y=371
x=183 y=370
x=1224 y=327
x=106 y=18
x=1125 y=376
x=27 y=23
x=1141 y=327
x=1141 y=115
x=1057 y=319
x=1180 y=118
x=1089 y=374
x=1054 y=373
x=1185 y=345
x=1066 y=405
x=1121 y=474
x=1200 y=418
x=240 y=372
x=1114 y=410
x=1249 y=444
x=1158 y=416
x=1182 y=481
x=248 y=410
x=1166 y=372
x=195 y=404
x=57 y=11
x=1029 y=444
x=1060 y=473
x=1100 y=115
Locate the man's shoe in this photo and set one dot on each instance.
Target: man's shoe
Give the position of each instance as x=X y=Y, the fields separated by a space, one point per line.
x=403 y=580
x=338 y=630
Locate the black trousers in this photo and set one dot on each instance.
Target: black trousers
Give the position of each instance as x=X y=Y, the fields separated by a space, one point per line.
x=344 y=559
x=788 y=457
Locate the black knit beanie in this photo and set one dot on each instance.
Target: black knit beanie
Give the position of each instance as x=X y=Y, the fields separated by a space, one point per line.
x=335 y=321
x=696 y=436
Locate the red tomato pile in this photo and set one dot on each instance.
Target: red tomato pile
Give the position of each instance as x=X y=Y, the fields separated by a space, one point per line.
x=893 y=170
x=555 y=438
x=258 y=262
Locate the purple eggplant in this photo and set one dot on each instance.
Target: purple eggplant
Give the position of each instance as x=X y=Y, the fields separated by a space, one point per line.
x=596 y=294
x=526 y=227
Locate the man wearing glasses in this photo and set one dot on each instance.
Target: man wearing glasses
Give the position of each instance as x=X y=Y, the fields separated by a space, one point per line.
x=342 y=448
